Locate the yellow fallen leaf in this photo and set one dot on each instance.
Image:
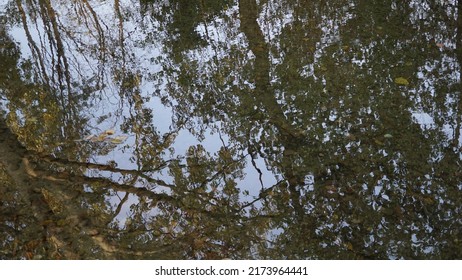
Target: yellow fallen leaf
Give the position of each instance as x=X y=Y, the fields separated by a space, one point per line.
x=101 y=137
x=401 y=81
x=118 y=139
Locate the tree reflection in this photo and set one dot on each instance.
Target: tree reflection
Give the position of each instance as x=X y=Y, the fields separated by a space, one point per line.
x=303 y=91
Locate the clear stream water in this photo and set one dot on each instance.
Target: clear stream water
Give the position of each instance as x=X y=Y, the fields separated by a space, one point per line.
x=230 y=129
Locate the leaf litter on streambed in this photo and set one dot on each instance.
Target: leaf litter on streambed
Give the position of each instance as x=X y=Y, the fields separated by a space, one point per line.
x=105 y=136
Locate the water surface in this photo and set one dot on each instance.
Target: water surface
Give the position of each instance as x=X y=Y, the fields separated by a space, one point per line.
x=230 y=129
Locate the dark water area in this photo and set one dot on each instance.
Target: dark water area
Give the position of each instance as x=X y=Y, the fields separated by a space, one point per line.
x=136 y=129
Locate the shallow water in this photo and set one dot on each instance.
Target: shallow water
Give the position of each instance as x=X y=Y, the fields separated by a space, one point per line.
x=230 y=129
